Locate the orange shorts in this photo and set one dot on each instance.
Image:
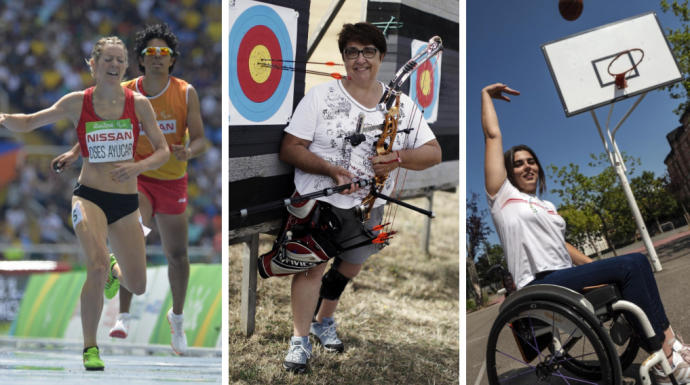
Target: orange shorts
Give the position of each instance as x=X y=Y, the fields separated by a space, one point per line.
x=166 y=196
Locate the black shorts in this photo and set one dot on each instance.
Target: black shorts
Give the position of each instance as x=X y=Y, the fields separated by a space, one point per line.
x=114 y=205
x=354 y=238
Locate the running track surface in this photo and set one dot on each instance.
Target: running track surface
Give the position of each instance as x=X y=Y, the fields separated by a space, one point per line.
x=28 y=365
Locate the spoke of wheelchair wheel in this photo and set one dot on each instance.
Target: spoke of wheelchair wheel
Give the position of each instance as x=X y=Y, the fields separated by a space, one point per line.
x=509 y=380
x=579 y=380
x=515 y=359
x=529 y=343
x=553 y=333
x=527 y=370
x=536 y=345
x=583 y=355
x=563 y=344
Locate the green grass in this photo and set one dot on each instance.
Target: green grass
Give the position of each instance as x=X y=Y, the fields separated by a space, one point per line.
x=398 y=318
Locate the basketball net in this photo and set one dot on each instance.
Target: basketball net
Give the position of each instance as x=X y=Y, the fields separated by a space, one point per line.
x=620 y=80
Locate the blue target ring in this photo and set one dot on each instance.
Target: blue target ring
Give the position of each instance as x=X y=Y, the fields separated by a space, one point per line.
x=259 y=15
x=428 y=110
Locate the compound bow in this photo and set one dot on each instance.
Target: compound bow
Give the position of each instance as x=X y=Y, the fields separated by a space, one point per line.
x=390 y=102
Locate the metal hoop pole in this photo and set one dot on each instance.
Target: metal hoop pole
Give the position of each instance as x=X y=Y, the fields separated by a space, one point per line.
x=601 y=135
x=618 y=165
x=629 y=112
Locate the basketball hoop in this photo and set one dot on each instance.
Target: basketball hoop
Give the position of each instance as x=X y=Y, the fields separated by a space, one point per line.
x=620 y=76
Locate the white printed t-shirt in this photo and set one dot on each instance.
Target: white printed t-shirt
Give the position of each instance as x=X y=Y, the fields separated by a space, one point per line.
x=531 y=232
x=326 y=115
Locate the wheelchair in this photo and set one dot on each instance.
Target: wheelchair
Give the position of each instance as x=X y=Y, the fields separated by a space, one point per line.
x=548 y=334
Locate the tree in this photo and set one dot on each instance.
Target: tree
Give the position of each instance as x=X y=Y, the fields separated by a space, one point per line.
x=654 y=199
x=599 y=195
x=578 y=193
x=492 y=256
x=584 y=225
x=477 y=231
x=680 y=46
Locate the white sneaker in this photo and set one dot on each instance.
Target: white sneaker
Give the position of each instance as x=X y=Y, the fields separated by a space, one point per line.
x=681 y=347
x=178 y=340
x=326 y=334
x=298 y=355
x=681 y=371
x=121 y=326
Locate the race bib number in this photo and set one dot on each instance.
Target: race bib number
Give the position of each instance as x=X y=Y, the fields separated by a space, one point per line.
x=110 y=140
x=77 y=214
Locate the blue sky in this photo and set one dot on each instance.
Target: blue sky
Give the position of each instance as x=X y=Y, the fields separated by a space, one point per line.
x=504 y=41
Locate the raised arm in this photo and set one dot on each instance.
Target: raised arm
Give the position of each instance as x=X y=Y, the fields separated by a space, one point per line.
x=494 y=167
x=64 y=108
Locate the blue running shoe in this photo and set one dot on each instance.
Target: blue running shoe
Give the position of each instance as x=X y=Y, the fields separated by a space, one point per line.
x=325 y=333
x=298 y=355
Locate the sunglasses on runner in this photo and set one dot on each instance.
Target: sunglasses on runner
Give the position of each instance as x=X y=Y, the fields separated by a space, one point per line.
x=160 y=51
x=351 y=53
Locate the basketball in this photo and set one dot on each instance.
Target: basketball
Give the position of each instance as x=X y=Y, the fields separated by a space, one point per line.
x=570 y=9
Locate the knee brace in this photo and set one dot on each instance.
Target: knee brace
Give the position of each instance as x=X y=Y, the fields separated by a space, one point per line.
x=333 y=284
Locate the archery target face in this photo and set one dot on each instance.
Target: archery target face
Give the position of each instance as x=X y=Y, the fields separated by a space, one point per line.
x=425 y=82
x=261 y=35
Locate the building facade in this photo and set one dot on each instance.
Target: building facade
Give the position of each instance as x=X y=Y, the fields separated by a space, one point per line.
x=678 y=160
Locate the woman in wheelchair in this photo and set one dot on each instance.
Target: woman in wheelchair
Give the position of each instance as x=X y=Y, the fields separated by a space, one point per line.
x=532 y=236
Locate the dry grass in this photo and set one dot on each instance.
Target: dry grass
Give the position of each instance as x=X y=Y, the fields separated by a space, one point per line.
x=398 y=319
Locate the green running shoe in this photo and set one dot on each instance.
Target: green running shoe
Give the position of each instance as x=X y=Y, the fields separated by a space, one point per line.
x=112 y=284
x=92 y=361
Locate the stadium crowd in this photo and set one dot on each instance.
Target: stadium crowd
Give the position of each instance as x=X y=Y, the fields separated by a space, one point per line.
x=43 y=59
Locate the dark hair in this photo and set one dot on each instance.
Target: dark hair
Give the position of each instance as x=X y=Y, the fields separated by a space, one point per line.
x=363 y=33
x=156 y=31
x=508 y=158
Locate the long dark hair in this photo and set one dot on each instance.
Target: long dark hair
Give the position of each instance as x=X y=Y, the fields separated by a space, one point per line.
x=508 y=158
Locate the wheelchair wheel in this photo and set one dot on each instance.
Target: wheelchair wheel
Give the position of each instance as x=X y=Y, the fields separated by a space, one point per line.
x=626 y=351
x=537 y=342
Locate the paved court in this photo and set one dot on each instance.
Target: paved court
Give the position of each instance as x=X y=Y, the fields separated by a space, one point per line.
x=28 y=362
x=673 y=249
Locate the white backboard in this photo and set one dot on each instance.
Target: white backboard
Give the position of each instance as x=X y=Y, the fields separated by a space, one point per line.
x=579 y=63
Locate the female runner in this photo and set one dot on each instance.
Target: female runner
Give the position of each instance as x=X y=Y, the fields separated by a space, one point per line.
x=163 y=192
x=105 y=201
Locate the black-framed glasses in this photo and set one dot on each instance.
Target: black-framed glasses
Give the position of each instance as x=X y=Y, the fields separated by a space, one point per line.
x=351 y=53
